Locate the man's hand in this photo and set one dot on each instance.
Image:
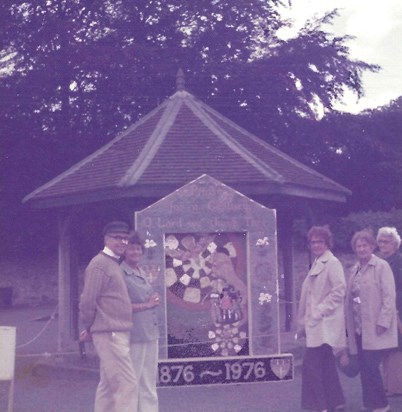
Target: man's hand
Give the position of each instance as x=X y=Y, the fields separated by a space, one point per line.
x=85 y=336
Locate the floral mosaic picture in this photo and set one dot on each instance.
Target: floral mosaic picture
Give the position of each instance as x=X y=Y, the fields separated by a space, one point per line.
x=207 y=293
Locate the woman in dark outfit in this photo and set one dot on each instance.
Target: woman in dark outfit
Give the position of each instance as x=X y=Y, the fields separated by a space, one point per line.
x=388 y=241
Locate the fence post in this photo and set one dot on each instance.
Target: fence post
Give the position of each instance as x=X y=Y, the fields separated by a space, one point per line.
x=7 y=359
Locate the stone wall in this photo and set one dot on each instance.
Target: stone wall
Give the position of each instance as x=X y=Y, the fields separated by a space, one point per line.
x=35 y=281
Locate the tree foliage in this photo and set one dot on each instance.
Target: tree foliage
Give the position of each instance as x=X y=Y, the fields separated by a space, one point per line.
x=365 y=155
x=300 y=78
x=73 y=73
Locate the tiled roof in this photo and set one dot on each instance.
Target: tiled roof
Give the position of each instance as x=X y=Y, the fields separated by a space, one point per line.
x=177 y=142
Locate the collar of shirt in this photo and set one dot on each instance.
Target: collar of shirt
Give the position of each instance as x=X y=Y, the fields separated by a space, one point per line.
x=108 y=252
x=319 y=263
x=371 y=262
x=129 y=270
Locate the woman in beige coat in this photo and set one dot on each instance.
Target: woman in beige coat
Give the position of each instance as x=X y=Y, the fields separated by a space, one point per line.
x=321 y=320
x=370 y=317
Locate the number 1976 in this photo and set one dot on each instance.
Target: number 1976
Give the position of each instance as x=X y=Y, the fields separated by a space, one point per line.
x=244 y=370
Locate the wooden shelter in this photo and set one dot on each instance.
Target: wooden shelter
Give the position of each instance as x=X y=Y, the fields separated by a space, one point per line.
x=177 y=142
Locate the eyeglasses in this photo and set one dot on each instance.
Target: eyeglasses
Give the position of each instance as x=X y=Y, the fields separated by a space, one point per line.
x=384 y=241
x=316 y=242
x=119 y=238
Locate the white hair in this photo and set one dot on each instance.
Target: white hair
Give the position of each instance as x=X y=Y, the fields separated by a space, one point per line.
x=389 y=231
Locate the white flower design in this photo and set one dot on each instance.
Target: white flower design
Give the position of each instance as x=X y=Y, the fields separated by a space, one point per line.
x=264 y=298
x=262 y=242
x=150 y=243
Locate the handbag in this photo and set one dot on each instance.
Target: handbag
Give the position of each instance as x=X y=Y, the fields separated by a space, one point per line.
x=352 y=368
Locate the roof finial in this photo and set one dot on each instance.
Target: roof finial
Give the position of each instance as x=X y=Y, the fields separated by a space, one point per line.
x=180 y=80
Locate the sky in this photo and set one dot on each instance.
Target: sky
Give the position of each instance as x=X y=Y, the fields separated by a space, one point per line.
x=377 y=27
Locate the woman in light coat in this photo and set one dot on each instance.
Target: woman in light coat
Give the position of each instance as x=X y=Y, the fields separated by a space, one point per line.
x=370 y=317
x=321 y=320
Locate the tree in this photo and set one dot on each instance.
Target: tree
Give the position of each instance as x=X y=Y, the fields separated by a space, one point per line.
x=293 y=80
x=74 y=73
x=366 y=155
x=88 y=69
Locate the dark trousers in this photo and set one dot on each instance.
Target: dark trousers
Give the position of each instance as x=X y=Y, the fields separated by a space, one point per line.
x=370 y=376
x=321 y=388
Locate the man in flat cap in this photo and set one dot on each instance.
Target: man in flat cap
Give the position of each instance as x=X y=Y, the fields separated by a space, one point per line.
x=106 y=313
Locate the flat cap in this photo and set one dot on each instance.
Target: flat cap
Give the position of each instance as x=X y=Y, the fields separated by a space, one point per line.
x=116 y=227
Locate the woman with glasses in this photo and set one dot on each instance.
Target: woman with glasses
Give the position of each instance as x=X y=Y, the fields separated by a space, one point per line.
x=370 y=318
x=145 y=331
x=388 y=241
x=321 y=320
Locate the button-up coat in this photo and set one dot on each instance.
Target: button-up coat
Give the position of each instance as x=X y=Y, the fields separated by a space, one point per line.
x=321 y=308
x=377 y=297
x=145 y=322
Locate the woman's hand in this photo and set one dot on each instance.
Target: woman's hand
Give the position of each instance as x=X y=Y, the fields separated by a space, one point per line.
x=300 y=334
x=399 y=324
x=344 y=359
x=154 y=300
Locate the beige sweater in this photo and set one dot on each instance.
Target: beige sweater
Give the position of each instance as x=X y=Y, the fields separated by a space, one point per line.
x=105 y=304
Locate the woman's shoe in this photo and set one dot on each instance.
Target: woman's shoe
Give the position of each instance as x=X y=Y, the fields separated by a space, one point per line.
x=392 y=394
x=339 y=408
x=384 y=409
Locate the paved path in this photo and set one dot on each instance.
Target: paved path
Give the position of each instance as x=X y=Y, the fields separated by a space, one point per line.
x=72 y=392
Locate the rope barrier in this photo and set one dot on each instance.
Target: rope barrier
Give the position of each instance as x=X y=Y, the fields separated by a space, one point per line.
x=45 y=354
x=52 y=317
x=176 y=345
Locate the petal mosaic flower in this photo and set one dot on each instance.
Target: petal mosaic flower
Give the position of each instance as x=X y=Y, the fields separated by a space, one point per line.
x=228 y=340
x=189 y=263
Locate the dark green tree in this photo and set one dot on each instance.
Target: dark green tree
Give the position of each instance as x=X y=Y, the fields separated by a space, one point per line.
x=75 y=73
x=365 y=153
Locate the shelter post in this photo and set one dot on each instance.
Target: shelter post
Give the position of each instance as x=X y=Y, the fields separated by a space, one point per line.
x=64 y=278
x=285 y=238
